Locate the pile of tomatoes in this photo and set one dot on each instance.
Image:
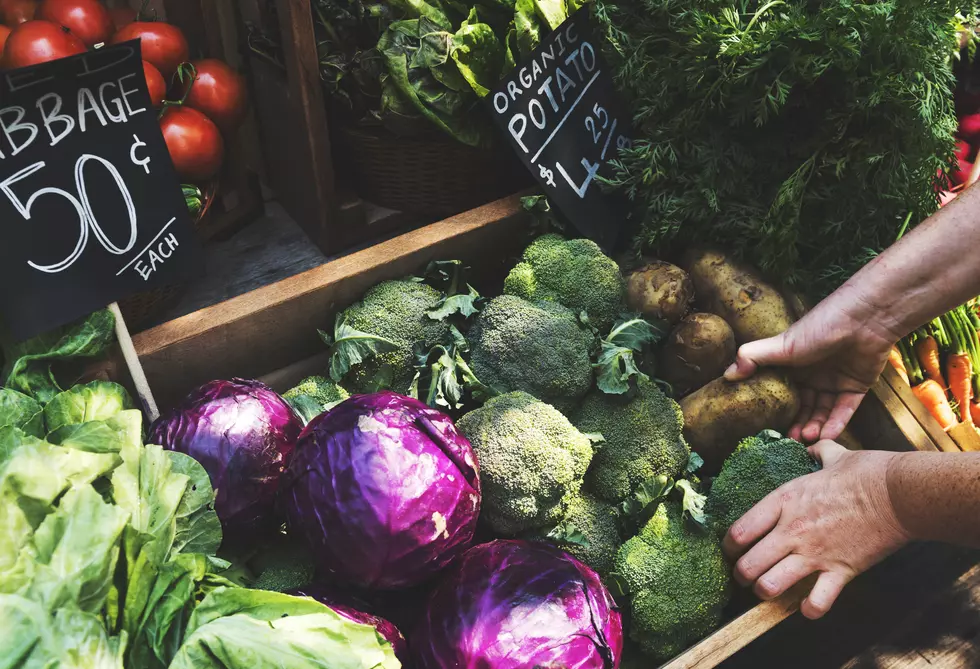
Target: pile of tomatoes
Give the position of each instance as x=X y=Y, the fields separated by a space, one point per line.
x=207 y=99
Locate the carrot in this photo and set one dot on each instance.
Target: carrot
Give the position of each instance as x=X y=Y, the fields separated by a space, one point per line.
x=895 y=358
x=975 y=412
x=960 y=373
x=927 y=351
x=932 y=395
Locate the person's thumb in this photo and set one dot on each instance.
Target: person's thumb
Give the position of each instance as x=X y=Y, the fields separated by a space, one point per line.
x=826 y=452
x=755 y=354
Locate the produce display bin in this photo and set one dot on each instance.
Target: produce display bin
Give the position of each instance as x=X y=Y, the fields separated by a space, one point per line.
x=213 y=30
x=323 y=174
x=271 y=333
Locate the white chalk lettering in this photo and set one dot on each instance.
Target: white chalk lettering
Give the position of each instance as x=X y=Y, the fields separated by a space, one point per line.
x=54 y=115
x=18 y=125
x=86 y=96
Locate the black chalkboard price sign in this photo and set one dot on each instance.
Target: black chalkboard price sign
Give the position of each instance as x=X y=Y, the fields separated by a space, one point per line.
x=560 y=113
x=91 y=210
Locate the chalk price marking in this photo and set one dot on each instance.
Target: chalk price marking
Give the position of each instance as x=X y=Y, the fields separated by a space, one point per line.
x=560 y=113
x=86 y=182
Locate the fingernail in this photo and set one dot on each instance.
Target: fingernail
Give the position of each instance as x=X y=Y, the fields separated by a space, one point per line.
x=732 y=369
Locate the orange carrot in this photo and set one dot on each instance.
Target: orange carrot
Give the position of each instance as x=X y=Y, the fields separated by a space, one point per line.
x=932 y=395
x=960 y=373
x=975 y=413
x=927 y=351
x=895 y=357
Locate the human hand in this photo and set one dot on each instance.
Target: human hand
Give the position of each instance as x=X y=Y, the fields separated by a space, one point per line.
x=838 y=349
x=837 y=522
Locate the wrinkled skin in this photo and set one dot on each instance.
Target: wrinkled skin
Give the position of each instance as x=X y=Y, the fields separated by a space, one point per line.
x=243 y=434
x=344 y=607
x=385 y=490
x=518 y=604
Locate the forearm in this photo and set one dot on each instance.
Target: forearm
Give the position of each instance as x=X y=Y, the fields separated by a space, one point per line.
x=936 y=496
x=928 y=272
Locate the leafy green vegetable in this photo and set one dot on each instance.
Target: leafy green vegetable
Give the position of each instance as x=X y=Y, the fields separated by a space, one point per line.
x=616 y=368
x=29 y=363
x=241 y=629
x=96 y=401
x=313 y=396
x=19 y=410
x=769 y=128
x=350 y=347
x=479 y=54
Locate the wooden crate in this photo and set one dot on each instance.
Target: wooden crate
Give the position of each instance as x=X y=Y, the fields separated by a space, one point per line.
x=311 y=178
x=214 y=30
x=271 y=334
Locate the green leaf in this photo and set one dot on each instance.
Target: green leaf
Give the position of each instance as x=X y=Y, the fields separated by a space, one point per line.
x=19 y=410
x=76 y=548
x=617 y=585
x=636 y=333
x=616 y=369
x=567 y=533
x=350 y=347
x=692 y=502
x=694 y=463
x=234 y=628
x=641 y=505
x=30 y=362
x=197 y=528
x=478 y=53
x=95 y=401
x=465 y=305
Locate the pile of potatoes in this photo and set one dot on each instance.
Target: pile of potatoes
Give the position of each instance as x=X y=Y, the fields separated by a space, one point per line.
x=714 y=305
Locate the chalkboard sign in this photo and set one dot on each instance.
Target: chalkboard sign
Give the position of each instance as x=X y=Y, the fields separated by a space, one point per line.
x=559 y=111
x=91 y=210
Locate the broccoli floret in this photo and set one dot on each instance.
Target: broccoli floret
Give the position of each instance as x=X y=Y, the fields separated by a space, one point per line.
x=590 y=532
x=395 y=310
x=540 y=348
x=758 y=466
x=574 y=273
x=313 y=396
x=678 y=582
x=643 y=439
x=531 y=458
x=282 y=569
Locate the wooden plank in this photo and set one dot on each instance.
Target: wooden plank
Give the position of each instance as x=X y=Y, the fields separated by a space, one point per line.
x=885 y=422
x=740 y=632
x=965 y=436
x=901 y=389
x=944 y=635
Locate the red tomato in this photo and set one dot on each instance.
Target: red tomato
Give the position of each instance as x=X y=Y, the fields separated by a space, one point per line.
x=970 y=127
x=963 y=149
x=194 y=142
x=156 y=83
x=219 y=92
x=15 y=12
x=122 y=16
x=37 y=42
x=164 y=45
x=88 y=20
x=4 y=34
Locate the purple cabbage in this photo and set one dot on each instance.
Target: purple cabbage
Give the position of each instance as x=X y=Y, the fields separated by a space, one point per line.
x=353 y=611
x=385 y=490
x=243 y=433
x=519 y=604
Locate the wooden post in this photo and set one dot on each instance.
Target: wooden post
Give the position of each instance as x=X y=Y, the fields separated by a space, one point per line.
x=133 y=363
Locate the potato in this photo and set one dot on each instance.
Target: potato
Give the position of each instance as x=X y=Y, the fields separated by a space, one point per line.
x=659 y=290
x=753 y=308
x=697 y=351
x=720 y=414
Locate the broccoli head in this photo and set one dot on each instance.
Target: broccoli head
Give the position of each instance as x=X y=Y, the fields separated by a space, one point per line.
x=532 y=461
x=396 y=310
x=572 y=272
x=313 y=396
x=758 y=466
x=643 y=439
x=540 y=348
x=589 y=531
x=677 y=580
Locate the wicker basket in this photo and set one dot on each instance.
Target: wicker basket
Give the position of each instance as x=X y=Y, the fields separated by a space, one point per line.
x=141 y=309
x=429 y=176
